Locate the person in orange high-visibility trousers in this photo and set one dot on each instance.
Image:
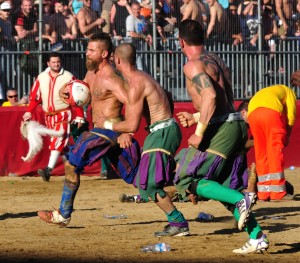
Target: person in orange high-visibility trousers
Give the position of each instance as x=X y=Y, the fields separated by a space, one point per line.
x=271 y=115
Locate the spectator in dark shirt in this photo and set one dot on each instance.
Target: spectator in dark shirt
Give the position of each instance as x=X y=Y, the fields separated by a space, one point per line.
x=63 y=23
x=118 y=13
x=7 y=41
x=46 y=18
x=6 y=27
x=25 y=25
x=24 y=21
x=234 y=30
x=296 y=20
x=166 y=17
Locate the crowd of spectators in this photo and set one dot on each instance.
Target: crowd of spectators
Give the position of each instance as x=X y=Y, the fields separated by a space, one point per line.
x=63 y=21
x=234 y=20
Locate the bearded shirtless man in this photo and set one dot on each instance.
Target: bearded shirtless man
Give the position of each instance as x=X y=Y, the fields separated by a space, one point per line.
x=108 y=93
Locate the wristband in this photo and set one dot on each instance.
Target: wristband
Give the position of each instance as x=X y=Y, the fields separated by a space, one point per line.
x=196 y=116
x=200 y=129
x=108 y=125
x=79 y=120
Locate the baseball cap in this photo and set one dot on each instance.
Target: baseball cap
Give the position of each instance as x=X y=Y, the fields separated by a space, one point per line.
x=5 y=6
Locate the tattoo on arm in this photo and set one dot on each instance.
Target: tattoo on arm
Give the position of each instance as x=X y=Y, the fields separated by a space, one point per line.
x=201 y=81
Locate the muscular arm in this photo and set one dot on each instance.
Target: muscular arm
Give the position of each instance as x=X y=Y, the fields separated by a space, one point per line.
x=248 y=9
x=279 y=11
x=212 y=21
x=203 y=95
x=74 y=28
x=117 y=87
x=133 y=112
x=202 y=87
x=129 y=9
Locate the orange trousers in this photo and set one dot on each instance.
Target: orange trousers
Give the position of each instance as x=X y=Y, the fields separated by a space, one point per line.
x=268 y=128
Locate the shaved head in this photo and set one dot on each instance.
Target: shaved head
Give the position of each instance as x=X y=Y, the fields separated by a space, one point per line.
x=126 y=52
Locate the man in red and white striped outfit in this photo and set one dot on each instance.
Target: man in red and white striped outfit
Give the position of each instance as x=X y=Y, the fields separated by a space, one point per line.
x=58 y=114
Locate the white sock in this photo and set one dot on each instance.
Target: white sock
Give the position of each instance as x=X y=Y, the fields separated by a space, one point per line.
x=53 y=158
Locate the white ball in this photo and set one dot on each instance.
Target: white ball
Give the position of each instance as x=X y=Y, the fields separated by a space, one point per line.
x=79 y=93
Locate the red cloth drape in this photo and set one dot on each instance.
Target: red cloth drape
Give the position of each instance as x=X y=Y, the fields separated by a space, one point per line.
x=12 y=146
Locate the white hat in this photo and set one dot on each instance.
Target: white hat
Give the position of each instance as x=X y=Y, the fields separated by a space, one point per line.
x=5 y=6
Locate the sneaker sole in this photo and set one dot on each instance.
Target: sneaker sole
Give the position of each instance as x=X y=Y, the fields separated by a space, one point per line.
x=258 y=251
x=61 y=224
x=177 y=235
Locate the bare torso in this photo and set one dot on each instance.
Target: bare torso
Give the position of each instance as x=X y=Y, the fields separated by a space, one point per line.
x=104 y=103
x=192 y=10
x=87 y=16
x=156 y=104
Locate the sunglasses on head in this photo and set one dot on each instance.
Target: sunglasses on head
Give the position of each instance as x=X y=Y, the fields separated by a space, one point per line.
x=13 y=96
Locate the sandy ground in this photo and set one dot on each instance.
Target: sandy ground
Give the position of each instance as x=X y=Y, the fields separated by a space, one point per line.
x=90 y=237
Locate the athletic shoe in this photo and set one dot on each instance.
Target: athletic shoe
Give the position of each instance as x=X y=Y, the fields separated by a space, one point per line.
x=54 y=217
x=244 y=207
x=289 y=188
x=103 y=175
x=128 y=198
x=131 y=198
x=254 y=245
x=45 y=173
x=174 y=231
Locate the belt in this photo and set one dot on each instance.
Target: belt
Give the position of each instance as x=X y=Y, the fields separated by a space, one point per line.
x=162 y=125
x=52 y=113
x=236 y=116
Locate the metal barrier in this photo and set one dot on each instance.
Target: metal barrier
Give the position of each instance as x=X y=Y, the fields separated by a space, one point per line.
x=19 y=66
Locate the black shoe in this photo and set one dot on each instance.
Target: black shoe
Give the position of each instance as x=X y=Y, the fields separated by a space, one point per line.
x=45 y=173
x=174 y=231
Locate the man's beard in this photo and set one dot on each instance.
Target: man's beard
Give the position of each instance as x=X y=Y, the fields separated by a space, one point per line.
x=92 y=64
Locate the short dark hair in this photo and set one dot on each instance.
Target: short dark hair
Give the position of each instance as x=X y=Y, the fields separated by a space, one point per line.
x=53 y=55
x=191 y=32
x=243 y=106
x=103 y=37
x=63 y=2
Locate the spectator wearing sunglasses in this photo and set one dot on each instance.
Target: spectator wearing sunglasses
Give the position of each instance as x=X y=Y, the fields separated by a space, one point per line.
x=12 y=99
x=5 y=23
